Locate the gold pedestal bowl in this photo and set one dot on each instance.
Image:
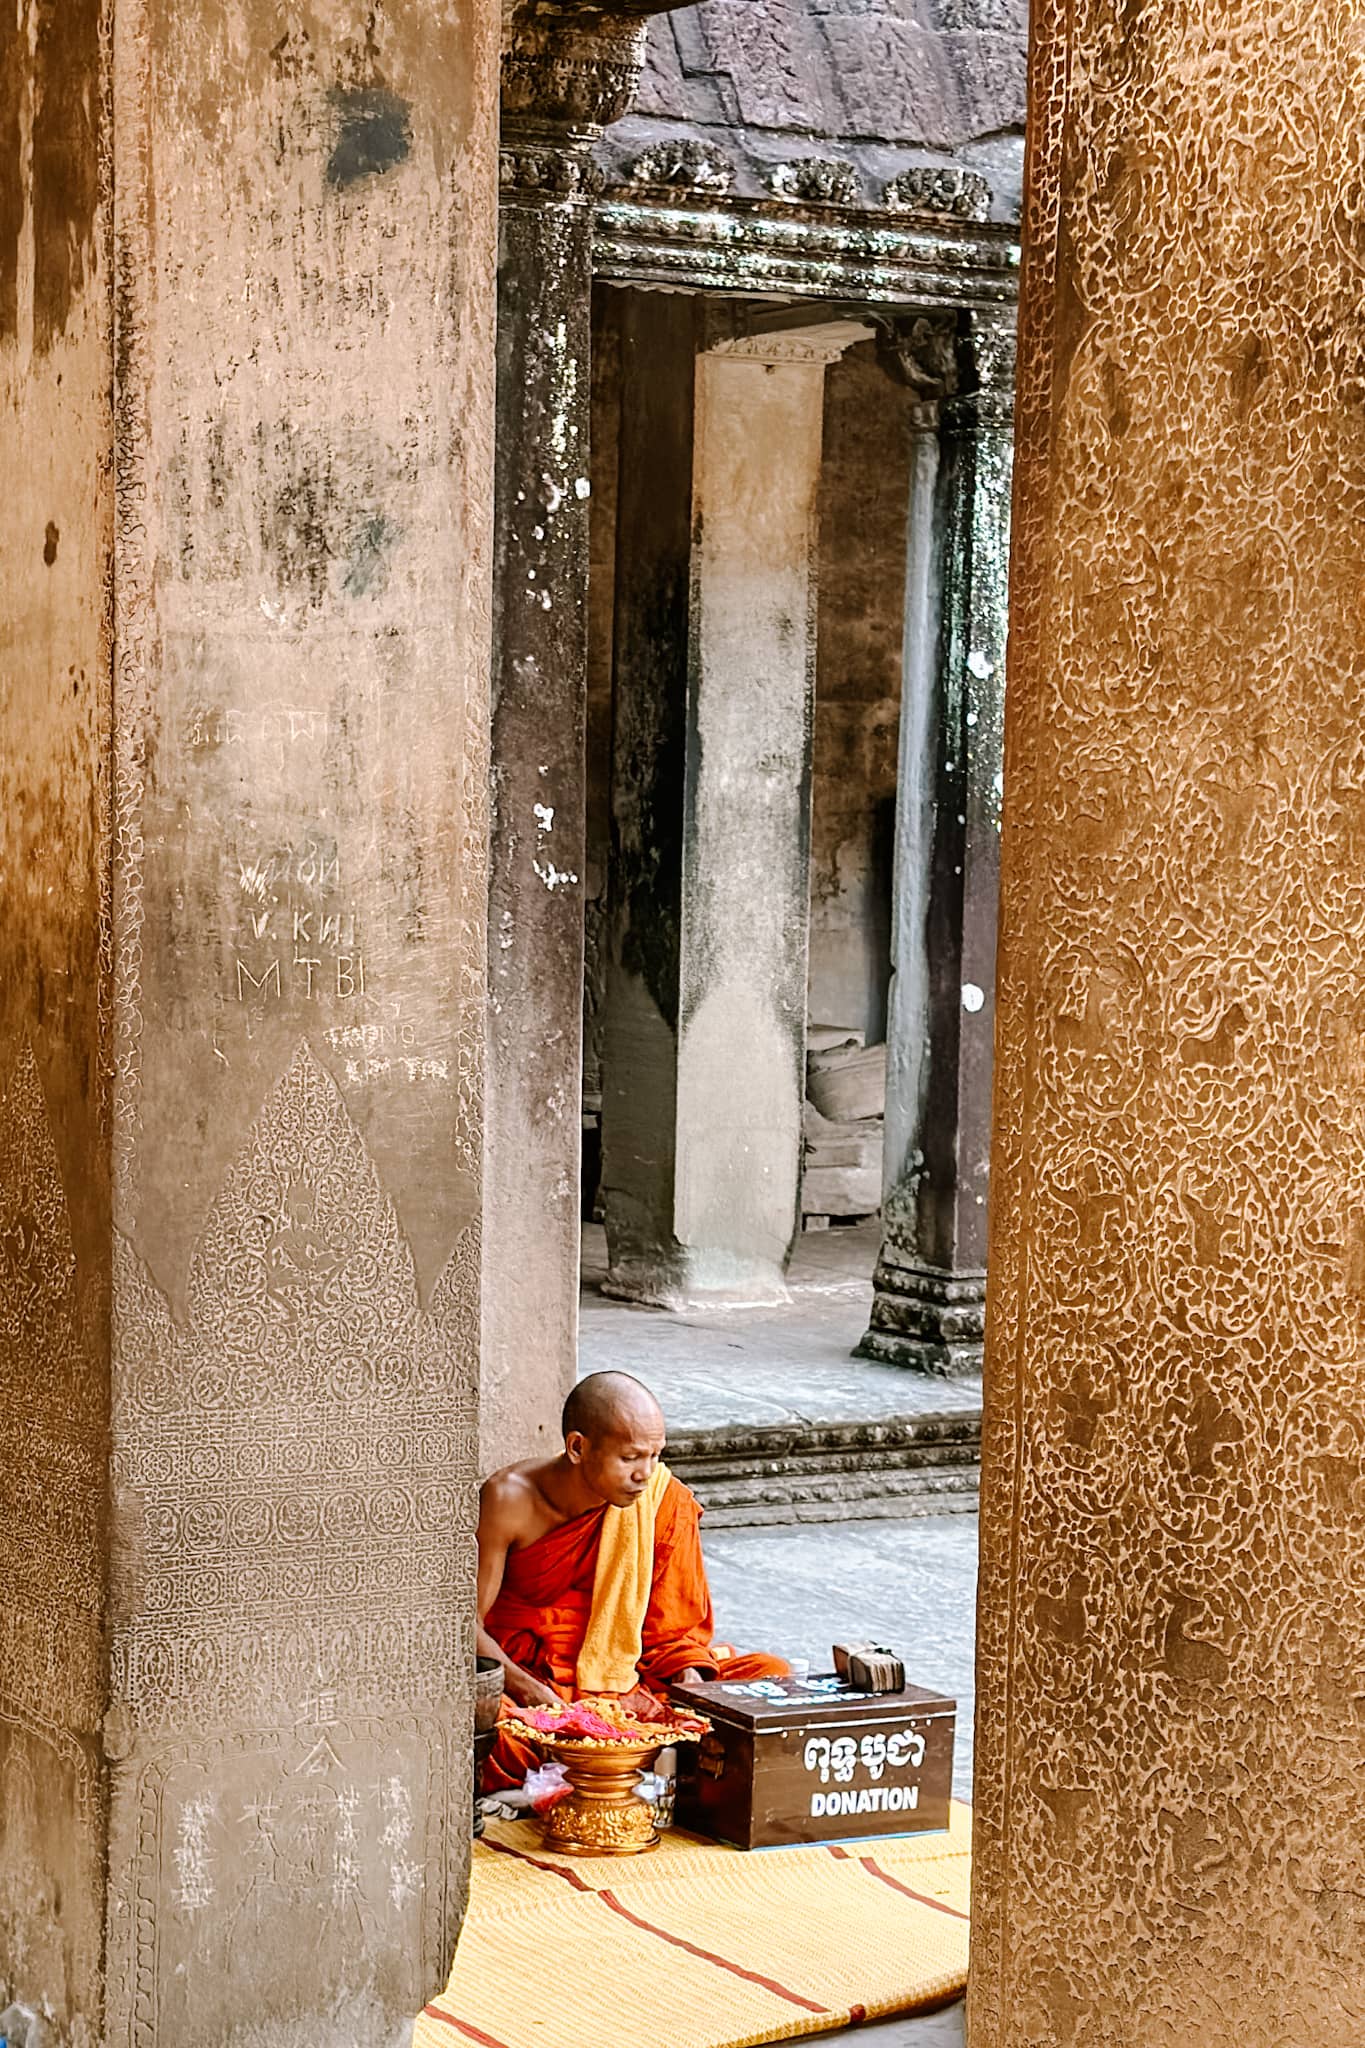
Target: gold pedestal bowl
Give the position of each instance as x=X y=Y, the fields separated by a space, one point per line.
x=604 y=1814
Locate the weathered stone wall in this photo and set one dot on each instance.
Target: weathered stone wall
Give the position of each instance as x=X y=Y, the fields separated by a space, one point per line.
x=1168 y=1839
x=291 y=979
x=825 y=69
x=875 y=87
x=864 y=494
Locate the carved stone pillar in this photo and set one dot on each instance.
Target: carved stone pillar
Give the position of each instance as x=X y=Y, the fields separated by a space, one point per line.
x=929 y=1307
x=559 y=85
x=246 y=311
x=703 y=1070
x=1170 y=1695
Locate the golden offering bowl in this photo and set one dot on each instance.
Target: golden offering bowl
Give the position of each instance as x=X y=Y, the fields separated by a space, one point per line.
x=603 y=1815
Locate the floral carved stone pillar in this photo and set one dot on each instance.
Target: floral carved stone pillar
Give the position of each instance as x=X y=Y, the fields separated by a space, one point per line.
x=1167 y=1845
x=929 y=1306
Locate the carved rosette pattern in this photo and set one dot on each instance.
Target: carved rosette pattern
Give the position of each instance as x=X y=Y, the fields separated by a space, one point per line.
x=297 y=1452
x=1172 y=1633
x=938 y=191
x=816 y=181
x=681 y=165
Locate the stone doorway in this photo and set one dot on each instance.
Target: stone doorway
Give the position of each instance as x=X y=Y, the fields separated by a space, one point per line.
x=772 y=1415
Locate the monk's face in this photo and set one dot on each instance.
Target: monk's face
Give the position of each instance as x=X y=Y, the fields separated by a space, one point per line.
x=617 y=1463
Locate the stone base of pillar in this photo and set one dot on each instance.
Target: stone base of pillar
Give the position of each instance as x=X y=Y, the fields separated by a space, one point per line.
x=695 y=1281
x=929 y=1321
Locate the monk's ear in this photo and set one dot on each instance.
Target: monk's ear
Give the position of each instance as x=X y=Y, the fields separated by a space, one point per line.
x=575 y=1443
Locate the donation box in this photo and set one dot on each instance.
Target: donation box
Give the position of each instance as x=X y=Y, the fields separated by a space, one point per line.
x=808 y=1760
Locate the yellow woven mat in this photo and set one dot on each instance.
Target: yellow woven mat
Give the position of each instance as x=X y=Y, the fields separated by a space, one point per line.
x=700 y=1946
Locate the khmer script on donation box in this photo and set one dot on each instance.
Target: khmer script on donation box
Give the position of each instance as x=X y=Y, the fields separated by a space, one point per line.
x=810 y=1760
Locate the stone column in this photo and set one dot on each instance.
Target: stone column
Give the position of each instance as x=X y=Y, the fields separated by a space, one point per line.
x=1168 y=1842
x=553 y=106
x=659 y=339
x=241 y=1021
x=929 y=1307
x=704 y=1062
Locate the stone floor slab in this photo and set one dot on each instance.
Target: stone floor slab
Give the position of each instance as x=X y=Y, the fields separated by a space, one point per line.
x=720 y=1367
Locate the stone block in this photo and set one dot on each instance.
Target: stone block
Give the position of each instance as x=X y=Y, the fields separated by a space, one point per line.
x=777 y=63
x=900 y=82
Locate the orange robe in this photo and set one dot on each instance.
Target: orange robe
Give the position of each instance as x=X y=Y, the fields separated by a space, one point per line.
x=541 y=1615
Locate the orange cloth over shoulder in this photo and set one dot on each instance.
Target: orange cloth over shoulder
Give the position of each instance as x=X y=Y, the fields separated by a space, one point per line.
x=541 y=1614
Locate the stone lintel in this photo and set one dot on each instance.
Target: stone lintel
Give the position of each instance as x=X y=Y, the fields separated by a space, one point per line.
x=759 y=246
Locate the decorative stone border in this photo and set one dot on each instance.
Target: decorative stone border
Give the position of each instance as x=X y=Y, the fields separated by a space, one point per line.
x=769 y=246
x=833 y=1471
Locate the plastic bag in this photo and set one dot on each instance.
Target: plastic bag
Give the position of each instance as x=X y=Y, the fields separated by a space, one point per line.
x=21 y=2027
x=658 y=1787
x=545 y=1786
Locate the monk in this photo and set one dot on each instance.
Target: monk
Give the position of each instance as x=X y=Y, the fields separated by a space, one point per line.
x=591 y=1578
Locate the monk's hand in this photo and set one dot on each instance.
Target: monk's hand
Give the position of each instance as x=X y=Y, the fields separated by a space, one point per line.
x=643 y=1704
x=525 y=1691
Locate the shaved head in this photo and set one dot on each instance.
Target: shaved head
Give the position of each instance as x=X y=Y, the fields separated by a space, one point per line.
x=611 y=1404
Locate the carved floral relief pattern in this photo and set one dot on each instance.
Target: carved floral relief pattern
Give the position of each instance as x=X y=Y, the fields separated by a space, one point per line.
x=1172 y=1640
x=295 y=1461
x=292 y=1584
